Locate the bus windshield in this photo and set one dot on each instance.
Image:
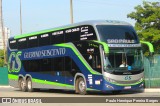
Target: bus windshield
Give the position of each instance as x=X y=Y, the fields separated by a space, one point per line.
x=124 y=60
x=117 y=34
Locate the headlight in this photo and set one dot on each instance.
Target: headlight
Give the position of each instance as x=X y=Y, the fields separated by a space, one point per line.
x=109 y=79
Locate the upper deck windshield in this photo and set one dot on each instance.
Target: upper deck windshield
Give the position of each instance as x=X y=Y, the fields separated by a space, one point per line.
x=124 y=59
x=117 y=34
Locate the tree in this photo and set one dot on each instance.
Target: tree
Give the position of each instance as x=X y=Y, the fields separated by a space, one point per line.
x=147 y=23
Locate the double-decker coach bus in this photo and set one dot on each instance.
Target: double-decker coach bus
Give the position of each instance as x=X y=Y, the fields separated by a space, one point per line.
x=98 y=55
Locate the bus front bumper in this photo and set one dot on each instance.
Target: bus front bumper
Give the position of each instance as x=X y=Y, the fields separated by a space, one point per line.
x=114 y=86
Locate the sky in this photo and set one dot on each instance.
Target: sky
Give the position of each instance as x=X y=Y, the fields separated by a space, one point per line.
x=45 y=14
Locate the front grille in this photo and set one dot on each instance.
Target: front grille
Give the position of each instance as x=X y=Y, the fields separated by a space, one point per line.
x=127 y=82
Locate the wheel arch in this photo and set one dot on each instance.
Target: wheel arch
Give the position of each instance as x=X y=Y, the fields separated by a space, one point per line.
x=20 y=76
x=77 y=76
x=28 y=76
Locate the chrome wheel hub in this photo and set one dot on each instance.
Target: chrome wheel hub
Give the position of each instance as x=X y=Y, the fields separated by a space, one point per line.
x=82 y=86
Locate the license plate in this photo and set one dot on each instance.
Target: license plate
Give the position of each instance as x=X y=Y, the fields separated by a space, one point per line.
x=127 y=87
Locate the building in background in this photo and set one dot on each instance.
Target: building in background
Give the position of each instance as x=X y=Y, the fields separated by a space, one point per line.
x=6 y=34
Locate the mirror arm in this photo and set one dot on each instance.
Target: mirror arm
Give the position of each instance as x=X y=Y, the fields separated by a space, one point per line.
x=105 y=46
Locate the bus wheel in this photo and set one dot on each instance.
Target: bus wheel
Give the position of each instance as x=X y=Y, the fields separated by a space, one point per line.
x=22 y=85
x=81 y=86
x=29 y=85
x=19 y=83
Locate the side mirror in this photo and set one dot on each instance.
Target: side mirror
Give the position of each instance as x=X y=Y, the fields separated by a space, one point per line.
x=105 y=46
x=150 y=47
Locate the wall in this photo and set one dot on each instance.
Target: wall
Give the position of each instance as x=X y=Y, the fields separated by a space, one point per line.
x=3 y=76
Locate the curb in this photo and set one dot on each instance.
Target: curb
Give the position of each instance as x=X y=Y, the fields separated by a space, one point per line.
x=152 y=90
x=6 y=86
x=157 y=90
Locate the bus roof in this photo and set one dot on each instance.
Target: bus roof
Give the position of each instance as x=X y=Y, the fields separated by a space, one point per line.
x=91 y=22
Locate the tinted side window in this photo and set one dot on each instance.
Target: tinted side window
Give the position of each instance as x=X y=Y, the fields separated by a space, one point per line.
x=70 y=67
x=90 y=51
x=58 y=64
x=65 y=66
x=40 y=65
x=12 y=44
x=87 y=32
x=31 y=65
x=72 y=34
x=46 y=64
x=87 y=47
x=44 y=39
x=22 y=43
x=57 y=37
x=68 y=64
x=32 y=41
x=84 y=32
x=94 y=61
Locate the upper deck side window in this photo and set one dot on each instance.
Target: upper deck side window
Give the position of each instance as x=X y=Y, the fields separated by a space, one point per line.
x=57 y=37
x=22 y=43
x=87 y=32
x=32 y=41
x=44 y=39
x=78 y=33
x=12 y=43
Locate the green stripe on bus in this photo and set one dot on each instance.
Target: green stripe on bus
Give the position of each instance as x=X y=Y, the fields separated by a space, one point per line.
x=15 y=77
x=39 y=32
x=82 y=60
x=51 y=83
x=11 y=76
x=106 y=47
x=151 y=48
x=90 y=89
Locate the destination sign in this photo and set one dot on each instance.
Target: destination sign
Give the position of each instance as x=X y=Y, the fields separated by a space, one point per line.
x=120 y=41
x=124 y=45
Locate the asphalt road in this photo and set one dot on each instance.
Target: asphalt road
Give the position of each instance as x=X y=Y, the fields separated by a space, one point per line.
x=15 y=92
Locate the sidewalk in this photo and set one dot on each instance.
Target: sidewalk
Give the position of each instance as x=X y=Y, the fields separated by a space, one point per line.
x=152 y=90
x=145 y=90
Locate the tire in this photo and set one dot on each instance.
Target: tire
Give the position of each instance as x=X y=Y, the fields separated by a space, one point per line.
x=81 y=86
x=19 y=83
x=29 y=85
x=22 y=85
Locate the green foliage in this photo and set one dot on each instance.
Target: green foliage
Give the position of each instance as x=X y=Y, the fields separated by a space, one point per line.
x=1 y=58
x=147 y=23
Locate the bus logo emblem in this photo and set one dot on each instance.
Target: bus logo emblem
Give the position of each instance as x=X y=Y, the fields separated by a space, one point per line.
x=127 y=77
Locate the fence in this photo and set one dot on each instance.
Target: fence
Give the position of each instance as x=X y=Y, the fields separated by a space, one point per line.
x=152 y=71
x=3 y=76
